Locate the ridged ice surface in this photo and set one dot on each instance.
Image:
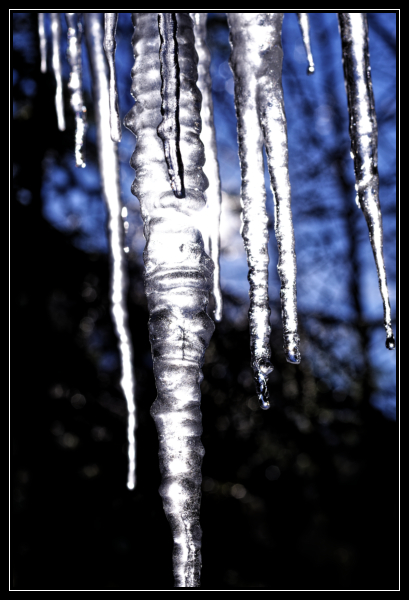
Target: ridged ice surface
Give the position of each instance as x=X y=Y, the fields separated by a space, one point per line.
x=109 y=169
x=56 y=62
x=74 y=55
x=208 y=137
x=363 y=131
x=43 y=42
x=110 y=24
x=261 y=120
x=178 y=280
x=169 y=128
x=305 y=32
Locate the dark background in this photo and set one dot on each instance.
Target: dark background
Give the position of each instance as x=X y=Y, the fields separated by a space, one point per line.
x=304 y=496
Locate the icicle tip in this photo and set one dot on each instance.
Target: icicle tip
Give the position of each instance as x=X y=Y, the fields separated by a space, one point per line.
x=390 y=342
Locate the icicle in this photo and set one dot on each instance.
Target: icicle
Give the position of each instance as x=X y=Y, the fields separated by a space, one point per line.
x=74 y=55
x=363 y=130
x=111 y=21
x=109 y=169
x=305 y=32
x=43 y=42
x=169 y=128
x=260 y=115
x=56 y=36
x=208 y=137
x=178 y=280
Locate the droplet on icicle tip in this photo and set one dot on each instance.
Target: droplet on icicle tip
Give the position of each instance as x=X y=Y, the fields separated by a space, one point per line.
x=263 y=368
x=291 y=350
x=311 y=69
x=390 y=342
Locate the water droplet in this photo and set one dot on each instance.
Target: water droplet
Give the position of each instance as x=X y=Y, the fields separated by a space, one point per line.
x=390 y=343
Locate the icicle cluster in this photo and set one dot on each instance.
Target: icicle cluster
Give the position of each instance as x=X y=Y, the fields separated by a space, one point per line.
x=261 y=120
x=178 y=279
x=363 y=130
x=171 y=85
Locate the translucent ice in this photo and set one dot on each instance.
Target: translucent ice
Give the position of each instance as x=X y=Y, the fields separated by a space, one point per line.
x=261 y=119
x=208 y=137
x=56 y=37
x=74 y=55
x=43 y=42
x=363 y=131
x=110 y=22
x=305 y=32
x=109 y=169
x=169 y=128
x=178 y=280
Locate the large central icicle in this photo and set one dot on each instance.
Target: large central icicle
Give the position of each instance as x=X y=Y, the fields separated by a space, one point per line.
x=109 y=169
x=363 y=130
x=208 y=136
x=178 y=280
x=74 y=55
x=261 y=118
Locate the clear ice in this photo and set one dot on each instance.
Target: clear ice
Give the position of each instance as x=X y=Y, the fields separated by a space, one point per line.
x=56 y=62
x=261 y=120
x=178 y=281
x=74 y=55
x=179 y=275
x=110 y=22
x=169 y=128
x=363 y=130
x=305 y=32
x=208 y=137
x=109 y=169
x=43 y=42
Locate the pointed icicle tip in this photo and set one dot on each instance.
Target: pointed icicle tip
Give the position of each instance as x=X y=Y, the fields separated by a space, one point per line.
x=305 y=32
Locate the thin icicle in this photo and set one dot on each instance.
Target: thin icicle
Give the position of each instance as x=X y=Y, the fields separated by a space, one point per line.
x=363 y=130
x=305 y=32
x=43 y=42
x=56 y=38
x=208 y=137
x=109 y=169
x=111 y=21
x=169 y=129
x=74 y=55
x=178 y=280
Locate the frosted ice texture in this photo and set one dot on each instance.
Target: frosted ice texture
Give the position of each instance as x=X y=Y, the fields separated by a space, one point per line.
x=169 y=128
x=363 y=130
x=178 y=280
x=110 y=22
x=43 y=42
x=74 y=55
x=56 y=62
x=256 y=62
x=208 y=137
x=305 y=32
x=109 y=169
